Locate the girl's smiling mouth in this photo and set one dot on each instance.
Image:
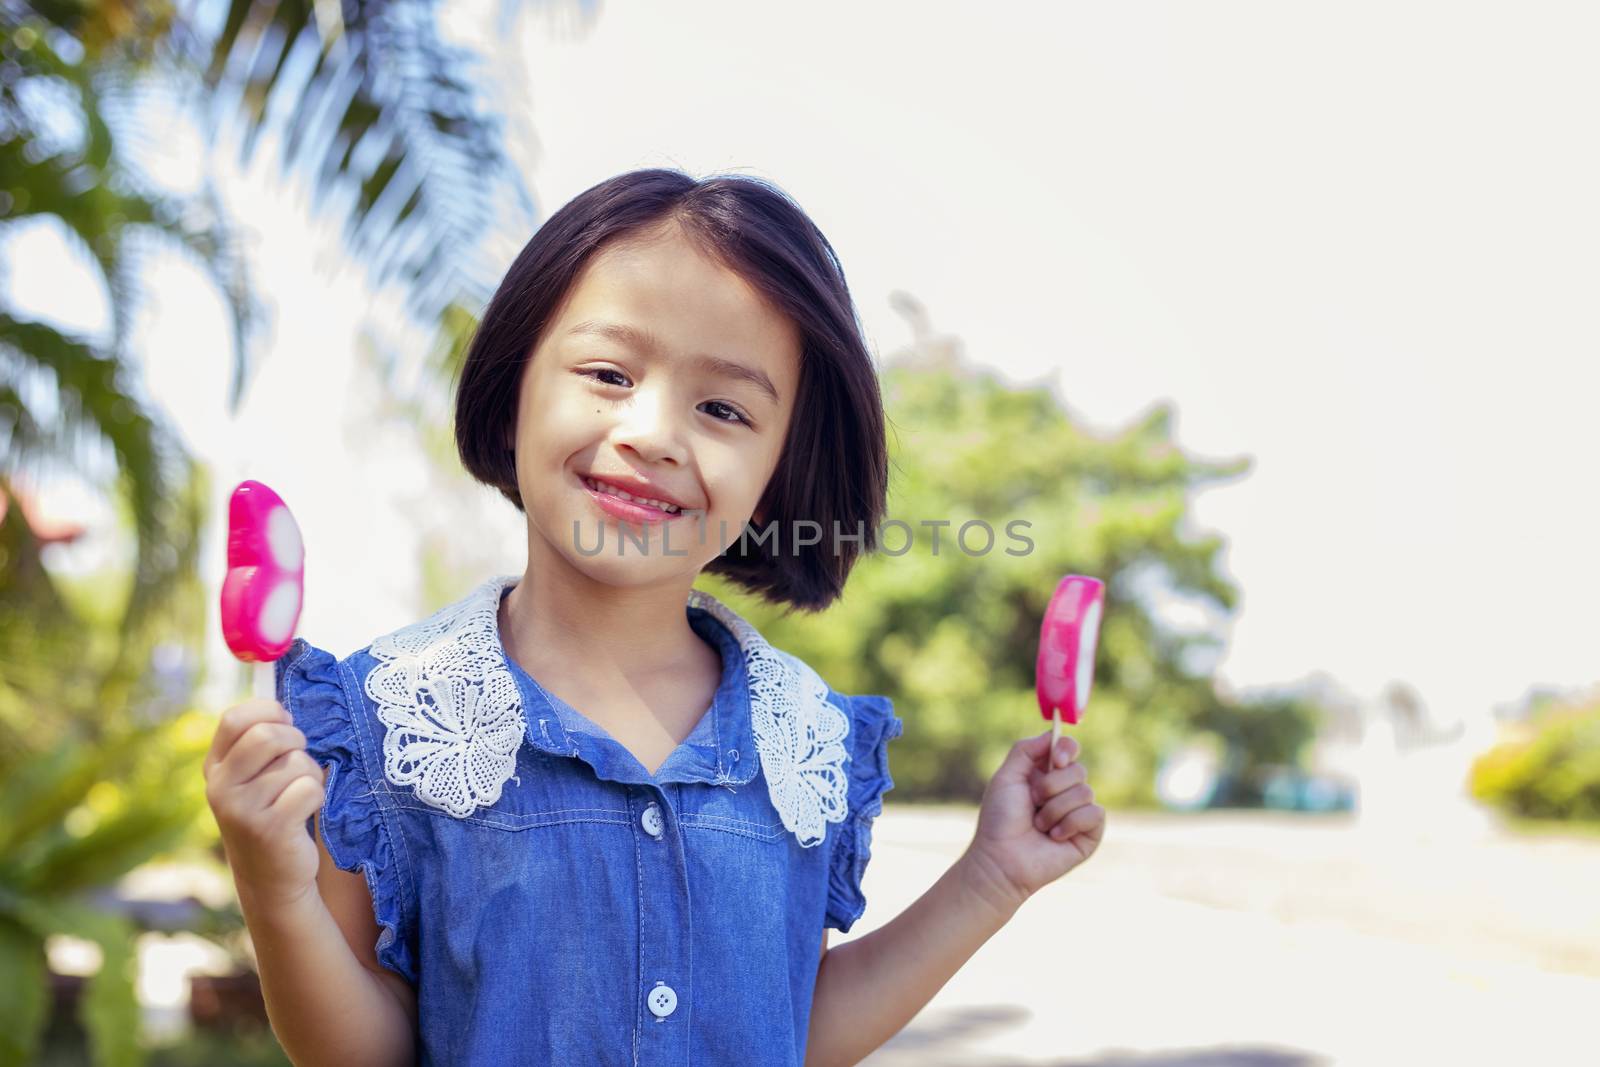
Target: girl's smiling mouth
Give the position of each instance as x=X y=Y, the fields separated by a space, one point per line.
x=627 y=506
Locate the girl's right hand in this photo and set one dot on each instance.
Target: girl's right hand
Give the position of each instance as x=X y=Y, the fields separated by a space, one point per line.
x=262 y=786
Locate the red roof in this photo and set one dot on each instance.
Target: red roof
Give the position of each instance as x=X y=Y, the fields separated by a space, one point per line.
x=46 y=531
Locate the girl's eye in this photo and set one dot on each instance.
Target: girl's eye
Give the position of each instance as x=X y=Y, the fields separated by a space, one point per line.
x=605 y=370
x=733 y=415
x=737 y=417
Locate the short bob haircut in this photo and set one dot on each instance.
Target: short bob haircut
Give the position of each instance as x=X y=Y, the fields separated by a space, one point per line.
x=833 y=469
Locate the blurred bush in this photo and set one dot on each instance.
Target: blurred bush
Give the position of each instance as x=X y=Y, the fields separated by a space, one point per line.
x=99 y=769
x=80 y=815
x=97 y=774
x=99 y=761
x=1551 y=771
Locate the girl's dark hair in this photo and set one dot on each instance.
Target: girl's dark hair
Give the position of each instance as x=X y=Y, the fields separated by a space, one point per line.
x=834 y=466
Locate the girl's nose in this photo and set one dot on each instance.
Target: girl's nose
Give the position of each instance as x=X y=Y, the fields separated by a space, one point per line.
x=652 y=428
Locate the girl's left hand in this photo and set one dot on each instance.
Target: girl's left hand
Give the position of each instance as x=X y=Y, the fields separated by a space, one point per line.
x=1035 y=824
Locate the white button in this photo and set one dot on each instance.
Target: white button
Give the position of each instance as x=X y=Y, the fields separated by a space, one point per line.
x=651 y=820
x=662 y=1000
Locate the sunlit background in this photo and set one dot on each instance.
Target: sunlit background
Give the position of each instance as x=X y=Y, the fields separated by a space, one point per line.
x=1279 y=318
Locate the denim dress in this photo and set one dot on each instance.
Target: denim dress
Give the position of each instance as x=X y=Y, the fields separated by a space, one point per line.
x=550 y=900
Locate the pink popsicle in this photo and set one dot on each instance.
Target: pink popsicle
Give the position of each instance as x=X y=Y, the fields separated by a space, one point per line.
x=262 y=593
x=1064 y=673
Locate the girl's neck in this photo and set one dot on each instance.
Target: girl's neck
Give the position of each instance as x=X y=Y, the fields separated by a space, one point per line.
x=557 y=618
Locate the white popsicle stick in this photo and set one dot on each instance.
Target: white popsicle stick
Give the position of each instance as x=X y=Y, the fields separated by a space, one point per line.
x=263 y=684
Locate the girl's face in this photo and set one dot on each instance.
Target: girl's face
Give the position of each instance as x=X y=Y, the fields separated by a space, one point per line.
x=663 y=367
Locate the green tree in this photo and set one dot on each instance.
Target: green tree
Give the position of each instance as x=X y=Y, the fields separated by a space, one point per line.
x=365 y=99
x=67 y=400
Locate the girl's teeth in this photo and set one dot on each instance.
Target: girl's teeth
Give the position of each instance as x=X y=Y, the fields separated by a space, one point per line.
x=612 y=490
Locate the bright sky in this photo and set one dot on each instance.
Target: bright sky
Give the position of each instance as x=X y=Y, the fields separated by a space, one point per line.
x=1354 y=242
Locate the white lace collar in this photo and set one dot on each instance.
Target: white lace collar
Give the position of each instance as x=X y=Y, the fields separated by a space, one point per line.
x=454 y=718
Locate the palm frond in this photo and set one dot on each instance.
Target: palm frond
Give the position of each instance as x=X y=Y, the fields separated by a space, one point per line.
x=386 y=122
x=104 y=204
x=94 y=399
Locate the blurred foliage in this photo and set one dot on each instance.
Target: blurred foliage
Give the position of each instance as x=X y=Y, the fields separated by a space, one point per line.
x=1262 y=739
x=95 y=776
x=67 y=399
x=247 y=1048
x=99 y=766
x=96 y=773
x=392 y=127
x=238 y=1046
x=392 y=124
x=1550 y=770
x=74 y=657
x=80 y=815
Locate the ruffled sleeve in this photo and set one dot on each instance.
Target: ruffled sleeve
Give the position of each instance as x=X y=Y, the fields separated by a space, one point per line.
x=873 y=725
x=355 y=825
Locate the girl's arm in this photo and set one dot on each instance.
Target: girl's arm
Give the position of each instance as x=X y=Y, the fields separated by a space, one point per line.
x=350 y=903
x=328 y=998
x=869 y=988
x=1037 y=822
x=325 y=997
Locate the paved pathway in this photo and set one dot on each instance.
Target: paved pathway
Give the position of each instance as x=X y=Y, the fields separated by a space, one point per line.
x=1264 y=940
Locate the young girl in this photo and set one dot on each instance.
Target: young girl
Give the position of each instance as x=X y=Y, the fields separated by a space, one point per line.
x=587 y=815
